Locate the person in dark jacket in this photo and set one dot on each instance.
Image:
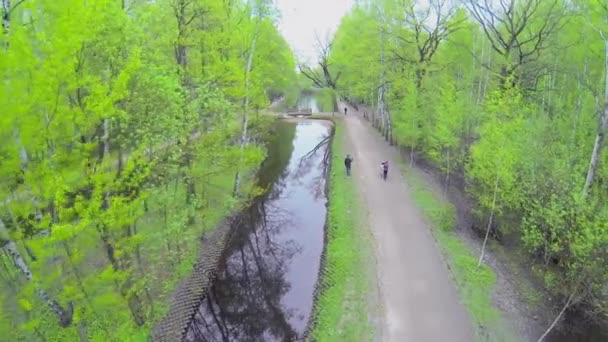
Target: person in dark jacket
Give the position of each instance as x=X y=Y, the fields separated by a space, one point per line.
x=385 y=169
x=348 y=162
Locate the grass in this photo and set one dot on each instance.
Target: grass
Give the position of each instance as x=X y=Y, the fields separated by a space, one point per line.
x=341 y=310
x=475 y=284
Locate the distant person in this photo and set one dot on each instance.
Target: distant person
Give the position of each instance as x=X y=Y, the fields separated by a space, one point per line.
x=384 y=166
x=345 y=109
x=348 y=161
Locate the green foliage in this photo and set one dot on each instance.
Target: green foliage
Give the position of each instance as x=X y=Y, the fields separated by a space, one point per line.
x=341 y=312
x=516 y=124
x=326 y=99
x=474 y=283
x=121 y=133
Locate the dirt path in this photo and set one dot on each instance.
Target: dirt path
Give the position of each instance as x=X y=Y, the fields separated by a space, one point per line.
x=419 y=300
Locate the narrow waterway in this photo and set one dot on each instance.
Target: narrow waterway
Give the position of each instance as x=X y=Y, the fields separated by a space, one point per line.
x=264 y=289
x=308 y=102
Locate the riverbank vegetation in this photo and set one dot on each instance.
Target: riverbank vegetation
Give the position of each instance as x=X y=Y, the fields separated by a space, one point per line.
x=128 y=130
x=510 y=101
x=475 y=283
x=341 y=307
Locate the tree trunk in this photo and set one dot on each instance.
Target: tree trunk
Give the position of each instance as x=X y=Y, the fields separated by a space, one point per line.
x=64 y=316
x=579 y=108
x=595 y=154
x=107 y=238
x=599 y=139
x=245 y=121
x=389 y=133
x=23 y=156
x=485 y=240
x=6 y=17
x=412 y=155
x=559 y=316
x=447 y=173
x=189 y=182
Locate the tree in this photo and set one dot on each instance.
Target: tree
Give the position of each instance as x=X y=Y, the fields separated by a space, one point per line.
x=321 y=76
x=603 y=120
x=513 y=107
x=421 y=29
x=517 y=31
x=118 y=137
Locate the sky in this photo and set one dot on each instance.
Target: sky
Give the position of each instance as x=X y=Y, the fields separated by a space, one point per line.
x=301 y=19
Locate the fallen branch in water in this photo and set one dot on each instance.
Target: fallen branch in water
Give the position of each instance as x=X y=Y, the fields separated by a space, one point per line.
x=312 y=152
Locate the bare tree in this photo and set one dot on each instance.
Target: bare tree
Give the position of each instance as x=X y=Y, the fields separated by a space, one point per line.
x=426 y=28
x=517 y=30
x=321 y=75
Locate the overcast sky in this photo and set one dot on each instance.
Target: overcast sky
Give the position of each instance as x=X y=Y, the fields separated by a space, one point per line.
x=301 y=19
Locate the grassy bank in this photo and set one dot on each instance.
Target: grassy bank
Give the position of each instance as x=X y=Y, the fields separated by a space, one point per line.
x=475 y=284
x=341 y=311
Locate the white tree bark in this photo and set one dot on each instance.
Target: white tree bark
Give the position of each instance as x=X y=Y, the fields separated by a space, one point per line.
x=11 y=248
x=492 y=209
x=481 y=73
x=599 y=138
x=559 y=316
x=243 y=143
x=6 y=16
x=23 y=156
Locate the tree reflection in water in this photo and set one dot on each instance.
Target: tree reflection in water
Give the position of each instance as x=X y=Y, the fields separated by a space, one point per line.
x=244 y=303
x=312 y=168
x=264 y=289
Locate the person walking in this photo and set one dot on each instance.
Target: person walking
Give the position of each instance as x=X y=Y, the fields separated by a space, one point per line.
x=345 y=109
x=384 y=166
x=347 y=163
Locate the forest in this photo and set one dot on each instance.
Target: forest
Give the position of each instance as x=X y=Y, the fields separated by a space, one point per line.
x=509 y=100
x=129 y=128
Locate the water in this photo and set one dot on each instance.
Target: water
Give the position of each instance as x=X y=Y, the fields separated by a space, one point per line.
x=308 y=101
x=264 y=290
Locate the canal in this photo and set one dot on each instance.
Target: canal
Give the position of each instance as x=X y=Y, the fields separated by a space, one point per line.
x=266 y=281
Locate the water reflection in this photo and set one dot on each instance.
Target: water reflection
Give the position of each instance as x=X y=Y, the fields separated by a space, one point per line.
x=308 y=102
x=264 y=291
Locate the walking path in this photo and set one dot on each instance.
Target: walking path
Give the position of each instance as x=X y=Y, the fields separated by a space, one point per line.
x=418 y=298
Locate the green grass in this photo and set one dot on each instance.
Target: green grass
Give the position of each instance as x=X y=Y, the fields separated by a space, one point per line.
x=341 y=310
x=475 y=284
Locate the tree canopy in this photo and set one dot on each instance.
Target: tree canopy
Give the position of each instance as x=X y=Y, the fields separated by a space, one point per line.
x=512 y=97
x=122 y=127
